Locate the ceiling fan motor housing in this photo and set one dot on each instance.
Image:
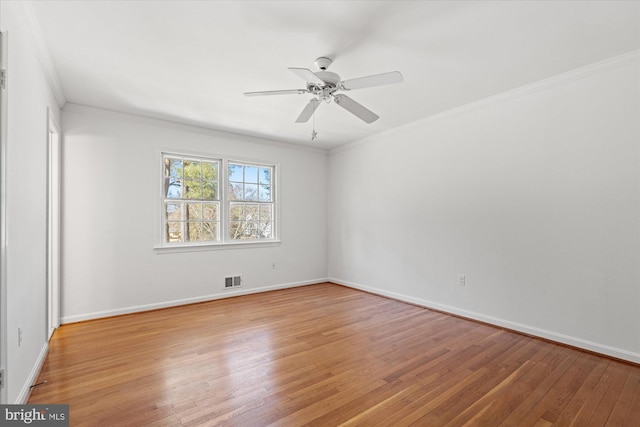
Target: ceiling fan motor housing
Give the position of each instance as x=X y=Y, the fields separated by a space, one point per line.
x=331 y=82
x=331 y=79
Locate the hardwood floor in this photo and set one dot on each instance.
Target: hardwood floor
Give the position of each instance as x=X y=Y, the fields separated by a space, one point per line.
x=325 y=355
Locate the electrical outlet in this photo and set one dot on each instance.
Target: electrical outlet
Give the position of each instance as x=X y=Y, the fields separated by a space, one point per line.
x=19 y=336
x=462 y=280
x=273 y=264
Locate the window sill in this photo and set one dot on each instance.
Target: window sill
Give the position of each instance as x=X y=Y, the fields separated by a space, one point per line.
x=214 y=246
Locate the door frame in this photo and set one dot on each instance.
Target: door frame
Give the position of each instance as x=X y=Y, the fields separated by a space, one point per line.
x=54 y=138
x=3 y=219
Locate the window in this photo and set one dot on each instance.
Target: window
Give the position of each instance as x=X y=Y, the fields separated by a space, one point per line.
x=191 y=202
x=250 y=201
x=202 y=206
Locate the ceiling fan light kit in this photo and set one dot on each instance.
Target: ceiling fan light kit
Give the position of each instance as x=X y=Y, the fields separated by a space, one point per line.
x=324 y=84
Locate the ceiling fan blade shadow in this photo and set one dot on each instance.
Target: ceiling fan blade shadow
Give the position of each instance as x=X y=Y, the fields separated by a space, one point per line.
x=308 y=111
x=276 y=92
x=374 y=80
x=307 y=75
x=356 y=109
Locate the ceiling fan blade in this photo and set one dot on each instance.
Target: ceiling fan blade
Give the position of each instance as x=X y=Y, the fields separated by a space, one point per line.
x=356 y=109
x=307 y=75
x=308 y=111
x=375 y=80
x=276 y=92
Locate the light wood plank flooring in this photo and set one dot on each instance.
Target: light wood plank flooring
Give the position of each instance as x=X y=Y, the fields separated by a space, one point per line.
x=325 y=355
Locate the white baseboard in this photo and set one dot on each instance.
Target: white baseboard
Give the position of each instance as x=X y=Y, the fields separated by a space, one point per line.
x=530 y=330
x=224 y=294
x=23 y=396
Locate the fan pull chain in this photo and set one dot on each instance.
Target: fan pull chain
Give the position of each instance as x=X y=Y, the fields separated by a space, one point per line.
x=314 y=134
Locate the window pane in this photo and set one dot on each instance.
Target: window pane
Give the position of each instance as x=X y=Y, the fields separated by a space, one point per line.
x=174 y=232
x=251 y=174
x=194 y=232
x=173 y=167
x=194 y=211
x=192 y=189
x=173 y=188
x=209 y=231
x=192 y=169
x=235 y=172
x=210 y=212
x=265 y=175
x=266 y=213
x=251 y=212
x=251 y=192
x=265 y=230
x=209 y=171
x=236 y=191
x=235 y=230
x=264 y=194
x=251 y=230
x=210 y=190
x=236 y=211
x=173 y=211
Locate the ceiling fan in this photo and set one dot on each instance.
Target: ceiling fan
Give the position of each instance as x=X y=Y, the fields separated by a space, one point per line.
x=325 y=85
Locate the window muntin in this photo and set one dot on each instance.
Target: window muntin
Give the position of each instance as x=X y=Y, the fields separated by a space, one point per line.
x=191 y=199
x=251 y=202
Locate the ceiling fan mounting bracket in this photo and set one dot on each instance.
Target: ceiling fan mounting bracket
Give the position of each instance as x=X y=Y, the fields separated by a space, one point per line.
x=323 y=63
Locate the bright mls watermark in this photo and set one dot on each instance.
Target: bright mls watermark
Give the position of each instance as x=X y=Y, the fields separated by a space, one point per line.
x=34 y=415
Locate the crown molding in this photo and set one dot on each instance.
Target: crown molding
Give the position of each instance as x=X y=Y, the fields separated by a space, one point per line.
x=539 y=86
x=42 y=51
x=185 y=127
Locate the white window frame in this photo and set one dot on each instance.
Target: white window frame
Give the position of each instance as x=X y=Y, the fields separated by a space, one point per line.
x=223 y=195
x=228 y=202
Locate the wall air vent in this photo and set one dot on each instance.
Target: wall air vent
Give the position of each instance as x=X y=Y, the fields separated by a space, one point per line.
x=232 y=281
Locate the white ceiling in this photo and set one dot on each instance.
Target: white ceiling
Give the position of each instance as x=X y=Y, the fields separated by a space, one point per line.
x=191 y=61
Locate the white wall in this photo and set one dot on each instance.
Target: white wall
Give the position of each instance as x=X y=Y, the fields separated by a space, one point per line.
x=29 y=97
x=111 y=217
x=534 y=195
